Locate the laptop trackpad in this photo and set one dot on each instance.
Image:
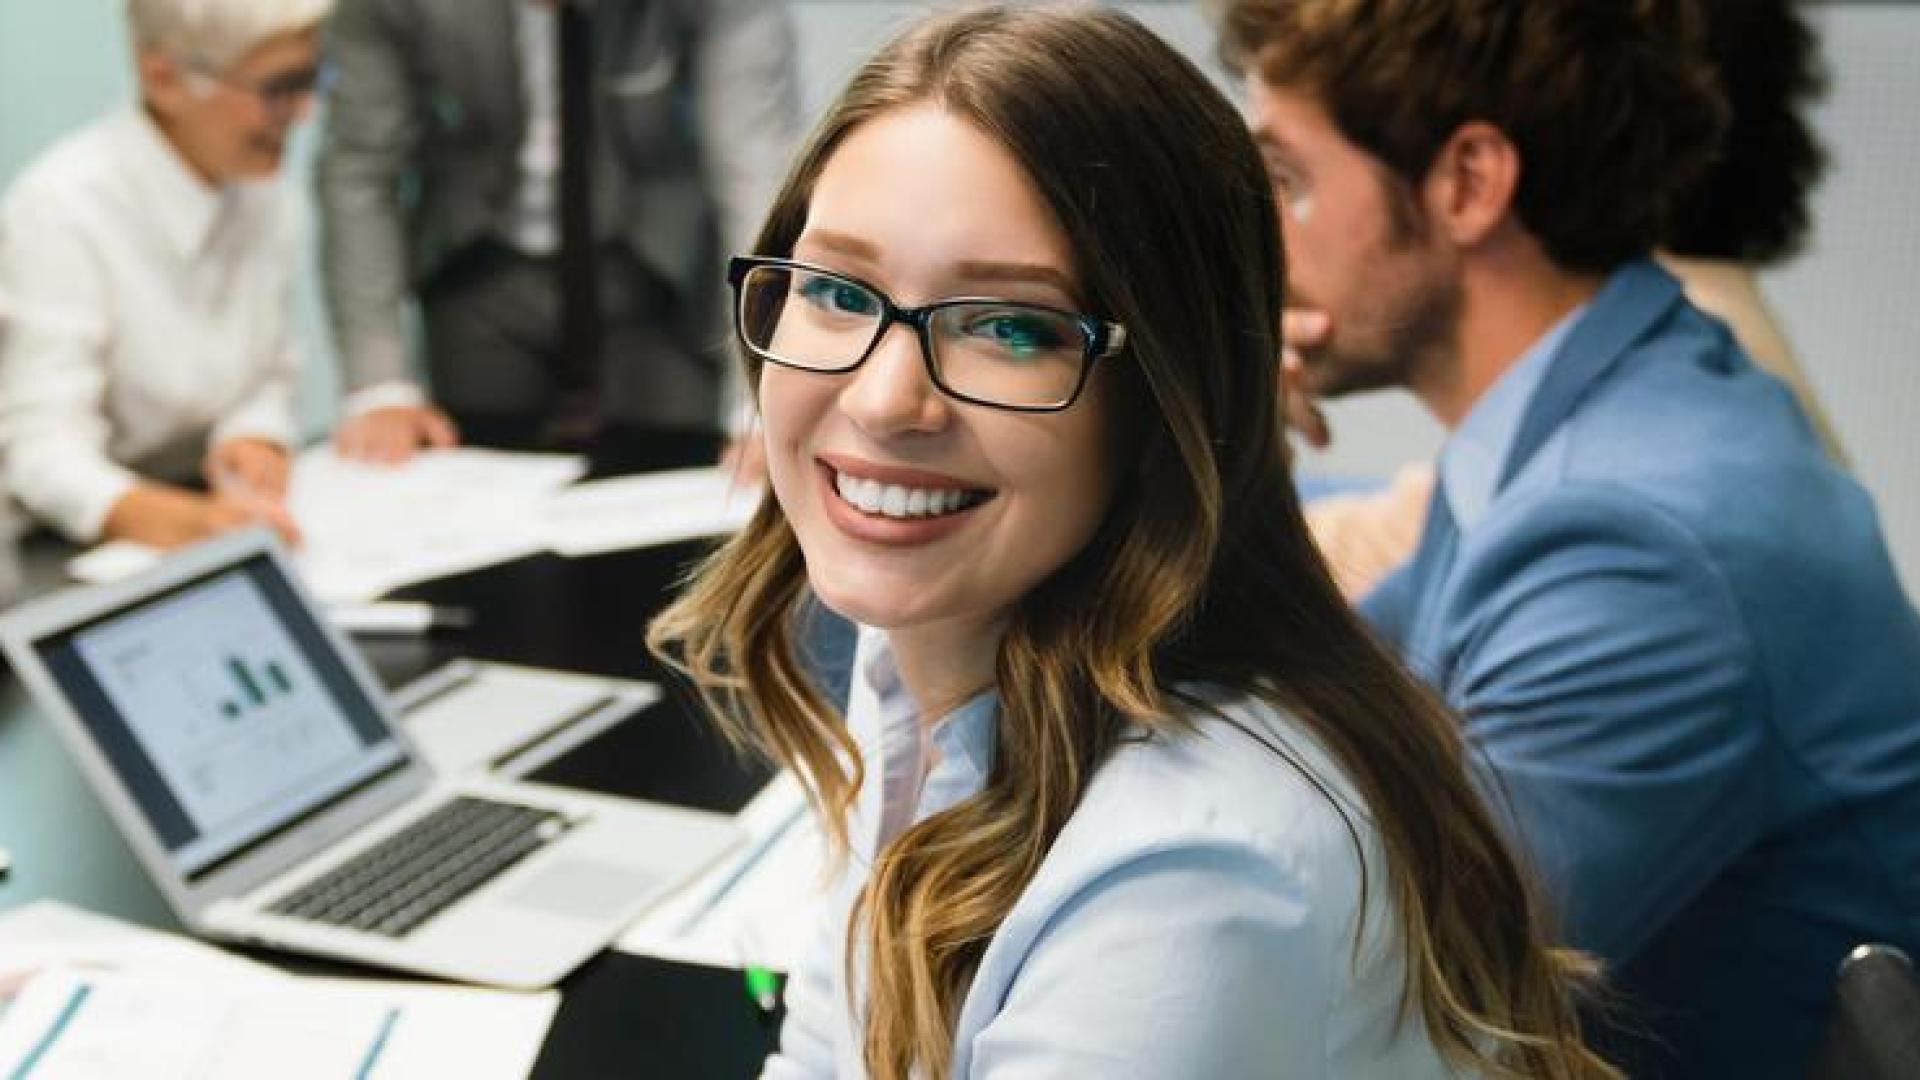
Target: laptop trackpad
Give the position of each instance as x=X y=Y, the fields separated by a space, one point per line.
x=582 y=889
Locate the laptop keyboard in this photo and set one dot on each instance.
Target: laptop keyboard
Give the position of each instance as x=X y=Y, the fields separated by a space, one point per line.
x=414 y=874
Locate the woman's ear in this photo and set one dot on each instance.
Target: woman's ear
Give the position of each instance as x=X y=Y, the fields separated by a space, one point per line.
x=1470 y=187
x=164 y=83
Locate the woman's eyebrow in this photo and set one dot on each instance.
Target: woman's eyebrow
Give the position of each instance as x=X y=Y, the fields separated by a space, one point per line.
x=983 y=271
x=1013 y=272
x=844 y=243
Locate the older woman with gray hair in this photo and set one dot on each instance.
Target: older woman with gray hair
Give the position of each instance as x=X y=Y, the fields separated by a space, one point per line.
x=146 y=363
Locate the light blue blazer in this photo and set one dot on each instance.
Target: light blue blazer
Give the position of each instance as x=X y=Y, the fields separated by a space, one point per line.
x=1691 y=680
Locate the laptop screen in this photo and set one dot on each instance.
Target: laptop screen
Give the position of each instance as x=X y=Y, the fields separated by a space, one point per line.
x=226 y=711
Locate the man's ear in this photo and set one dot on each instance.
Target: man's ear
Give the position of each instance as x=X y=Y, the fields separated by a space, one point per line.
x=1470 y=187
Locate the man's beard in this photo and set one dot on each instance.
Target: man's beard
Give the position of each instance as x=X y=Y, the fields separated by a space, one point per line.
x=1411 y=335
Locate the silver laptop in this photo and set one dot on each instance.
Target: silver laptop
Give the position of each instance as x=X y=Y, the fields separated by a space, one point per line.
x=257 y=770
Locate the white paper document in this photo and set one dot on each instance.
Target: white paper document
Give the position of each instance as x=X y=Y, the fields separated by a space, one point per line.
x=74 y=1024
x=367 y=528
x=101 y=998
x=370 y=528
x=758 y=906
x=112 y=561
x=649 y=509
x=48 y=934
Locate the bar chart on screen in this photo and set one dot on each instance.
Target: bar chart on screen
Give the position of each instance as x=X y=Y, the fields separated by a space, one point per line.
x=227 y=701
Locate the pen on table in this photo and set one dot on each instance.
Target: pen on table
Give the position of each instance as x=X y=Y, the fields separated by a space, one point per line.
x=763 y=986
x=397 y=617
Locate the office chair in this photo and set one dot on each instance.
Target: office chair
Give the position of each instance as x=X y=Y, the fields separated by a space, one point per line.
x=1874 y=1033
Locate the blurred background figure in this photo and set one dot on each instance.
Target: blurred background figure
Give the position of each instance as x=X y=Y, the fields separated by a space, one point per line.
x=555 y=183
x=1748 y=213
x=1669 y=623
x=146 y=365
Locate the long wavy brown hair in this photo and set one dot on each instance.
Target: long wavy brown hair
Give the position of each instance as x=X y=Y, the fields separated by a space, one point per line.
x=1202 y=571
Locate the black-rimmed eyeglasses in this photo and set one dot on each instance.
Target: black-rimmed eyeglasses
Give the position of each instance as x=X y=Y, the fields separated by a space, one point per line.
x=1002 y=353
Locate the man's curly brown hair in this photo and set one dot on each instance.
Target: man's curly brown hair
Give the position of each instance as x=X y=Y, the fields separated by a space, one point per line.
x=1613 y=104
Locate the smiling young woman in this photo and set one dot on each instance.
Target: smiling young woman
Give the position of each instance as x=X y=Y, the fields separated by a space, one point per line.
x=1121 y=778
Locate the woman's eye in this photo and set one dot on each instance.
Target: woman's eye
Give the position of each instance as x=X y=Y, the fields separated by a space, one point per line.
x=838 y=296
x=1019 y=334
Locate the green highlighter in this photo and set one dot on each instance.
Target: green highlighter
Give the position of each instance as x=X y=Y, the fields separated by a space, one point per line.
x=763 y=986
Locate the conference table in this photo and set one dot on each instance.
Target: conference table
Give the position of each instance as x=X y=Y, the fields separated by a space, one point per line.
x=620 y=1014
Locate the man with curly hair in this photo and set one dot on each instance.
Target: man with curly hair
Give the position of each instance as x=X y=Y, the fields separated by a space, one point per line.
x=1667 y=619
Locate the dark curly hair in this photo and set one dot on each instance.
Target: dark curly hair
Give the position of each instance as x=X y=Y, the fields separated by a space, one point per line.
x=1752 y=204
x=1613 y=105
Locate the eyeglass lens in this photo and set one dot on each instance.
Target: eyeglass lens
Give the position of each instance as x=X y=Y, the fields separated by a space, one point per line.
x=1003 y=352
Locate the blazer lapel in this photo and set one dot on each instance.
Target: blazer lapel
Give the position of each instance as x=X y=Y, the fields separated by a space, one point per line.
x=1633 y=300
x=636 y=59
x=494 y=80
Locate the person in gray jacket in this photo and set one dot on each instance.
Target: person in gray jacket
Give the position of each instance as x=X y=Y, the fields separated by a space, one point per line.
x=440 y=178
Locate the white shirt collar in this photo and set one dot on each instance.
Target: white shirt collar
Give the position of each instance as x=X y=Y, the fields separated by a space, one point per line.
x=895 y=740
x=185 y=207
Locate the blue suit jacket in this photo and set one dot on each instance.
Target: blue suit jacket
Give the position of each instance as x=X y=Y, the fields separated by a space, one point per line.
x=1691 y=682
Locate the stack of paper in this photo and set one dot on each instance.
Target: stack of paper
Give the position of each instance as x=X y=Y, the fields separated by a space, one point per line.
x=653 y=508
x=98 y=999
x=85 y=1025
x=368 y=529
x=46 y=934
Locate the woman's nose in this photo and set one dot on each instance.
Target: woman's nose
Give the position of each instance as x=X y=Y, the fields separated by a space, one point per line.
x=893 y=392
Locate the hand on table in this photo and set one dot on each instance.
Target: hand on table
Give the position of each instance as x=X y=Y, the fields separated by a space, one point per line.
x=248 y=467
x=392 y=433
x=248 y=480
x=168 y=517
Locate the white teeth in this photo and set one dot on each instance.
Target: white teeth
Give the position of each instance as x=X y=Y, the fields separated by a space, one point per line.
x=897 y=501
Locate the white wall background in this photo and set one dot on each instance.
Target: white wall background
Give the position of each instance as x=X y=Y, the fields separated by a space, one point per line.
x=1848 y=302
